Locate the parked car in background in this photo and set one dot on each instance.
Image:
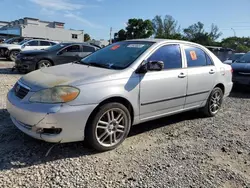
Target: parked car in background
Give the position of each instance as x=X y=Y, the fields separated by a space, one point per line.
x=241 y=70
x=233 y=58
x=10 y=51
x=123 y=84
x=58 y=54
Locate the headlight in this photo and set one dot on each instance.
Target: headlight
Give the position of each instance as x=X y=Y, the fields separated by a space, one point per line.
x=57 y=94
x=28 y=58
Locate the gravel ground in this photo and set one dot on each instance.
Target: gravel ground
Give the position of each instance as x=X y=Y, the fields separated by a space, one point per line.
x=184 y=150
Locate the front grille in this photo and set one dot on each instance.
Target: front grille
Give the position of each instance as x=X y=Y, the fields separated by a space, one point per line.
x=20 y=91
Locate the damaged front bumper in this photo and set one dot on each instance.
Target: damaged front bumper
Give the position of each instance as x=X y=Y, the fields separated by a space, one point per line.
x=58 y=123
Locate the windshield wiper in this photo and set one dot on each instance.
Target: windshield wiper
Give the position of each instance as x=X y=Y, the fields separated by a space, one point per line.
x=94 y=64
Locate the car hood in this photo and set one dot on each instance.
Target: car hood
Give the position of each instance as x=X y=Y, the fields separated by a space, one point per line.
x=241 y=67
x=68 y=74
x=8 y=45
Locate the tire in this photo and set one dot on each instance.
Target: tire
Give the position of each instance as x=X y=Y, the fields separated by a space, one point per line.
x=43 y=64
x=210 y=111
x=100 y=136
x=13 y=55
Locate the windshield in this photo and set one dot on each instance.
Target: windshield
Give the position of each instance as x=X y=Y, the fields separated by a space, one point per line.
x=56 y=47
x=244 y=59
x=118 y=55
x=9 y=40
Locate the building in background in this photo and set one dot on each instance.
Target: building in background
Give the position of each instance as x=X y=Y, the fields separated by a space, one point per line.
x=102 y=43
x=32 y=27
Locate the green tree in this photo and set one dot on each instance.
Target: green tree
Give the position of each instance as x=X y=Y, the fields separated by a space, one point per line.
x=240 y=44
x=166 y=28
x=139 y=28
x=86 y=37
x=196 y=33
x=120 y=35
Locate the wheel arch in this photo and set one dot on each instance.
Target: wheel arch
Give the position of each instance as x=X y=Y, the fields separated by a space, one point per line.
x=221 y=86
x=117 y=99
x=44 y=58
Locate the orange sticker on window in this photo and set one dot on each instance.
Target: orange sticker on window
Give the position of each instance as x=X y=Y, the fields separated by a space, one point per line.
x=115 y=47
x=193 y=55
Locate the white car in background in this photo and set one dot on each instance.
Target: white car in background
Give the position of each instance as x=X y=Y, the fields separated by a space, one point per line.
x=10 y=51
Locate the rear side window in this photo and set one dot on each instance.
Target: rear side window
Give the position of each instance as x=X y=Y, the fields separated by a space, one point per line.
x=197 y=57
x=73 y=48
x=52 y=43
x=88 y=49
x=44 y=43
x=170 y=55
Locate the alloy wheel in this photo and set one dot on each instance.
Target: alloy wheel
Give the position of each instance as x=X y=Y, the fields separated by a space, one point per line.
x=215 y=102
x=111 y=127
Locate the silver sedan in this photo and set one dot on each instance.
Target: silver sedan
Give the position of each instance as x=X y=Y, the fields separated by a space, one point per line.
x=126 y=83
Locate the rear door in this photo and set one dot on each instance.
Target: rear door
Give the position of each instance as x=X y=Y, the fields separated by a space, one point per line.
x=43 y=45
x=68 y=54
x=201 y=73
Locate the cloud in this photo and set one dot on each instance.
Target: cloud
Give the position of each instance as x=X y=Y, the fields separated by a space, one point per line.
x=60 y=5
x=82 y=20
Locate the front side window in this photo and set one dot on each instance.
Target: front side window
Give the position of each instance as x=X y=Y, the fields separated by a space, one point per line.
x=195 y=57
x=33 y=43
x=118 y=55
x=73 y=48
x=170 y=55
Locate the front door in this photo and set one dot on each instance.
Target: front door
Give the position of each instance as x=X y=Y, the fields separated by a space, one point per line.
x=163 y=92
x=201 y=76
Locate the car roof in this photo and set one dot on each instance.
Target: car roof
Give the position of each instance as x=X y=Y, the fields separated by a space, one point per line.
x=166 y=40
x=77 y=43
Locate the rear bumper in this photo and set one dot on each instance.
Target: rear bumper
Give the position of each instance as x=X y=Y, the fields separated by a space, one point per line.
x=228 y=89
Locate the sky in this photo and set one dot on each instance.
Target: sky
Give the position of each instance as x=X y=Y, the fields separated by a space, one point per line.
x=96 y=17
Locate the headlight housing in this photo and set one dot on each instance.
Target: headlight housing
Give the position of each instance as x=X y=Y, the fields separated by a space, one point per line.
x=28 y=58
x=57 y=94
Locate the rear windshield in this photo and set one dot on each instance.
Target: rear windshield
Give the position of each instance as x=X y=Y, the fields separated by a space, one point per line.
x=118 y=55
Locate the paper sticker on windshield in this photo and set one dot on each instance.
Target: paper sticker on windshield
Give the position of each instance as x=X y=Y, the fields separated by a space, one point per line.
x=115 y=47
x=135 y=45
x=193 y=55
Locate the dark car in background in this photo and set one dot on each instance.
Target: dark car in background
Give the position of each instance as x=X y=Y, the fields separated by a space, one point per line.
x=241 y=70
x=58 y=54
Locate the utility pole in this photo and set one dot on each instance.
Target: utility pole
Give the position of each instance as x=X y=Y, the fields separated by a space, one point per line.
x=234 y=32
x=110 y=34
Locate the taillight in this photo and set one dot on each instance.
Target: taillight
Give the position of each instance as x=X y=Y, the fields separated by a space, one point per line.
x=232 y=70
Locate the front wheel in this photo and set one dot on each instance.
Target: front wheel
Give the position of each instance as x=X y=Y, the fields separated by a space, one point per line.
x=43 y=64
x=109 y=127
x=214 y=102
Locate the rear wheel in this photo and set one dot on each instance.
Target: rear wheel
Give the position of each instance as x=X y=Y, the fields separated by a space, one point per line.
x=109 y=127
x=214 y=102
x=43 y=64
x=13 y=55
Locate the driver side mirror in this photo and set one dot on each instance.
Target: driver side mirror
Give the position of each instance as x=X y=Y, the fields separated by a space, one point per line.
x=150 y=66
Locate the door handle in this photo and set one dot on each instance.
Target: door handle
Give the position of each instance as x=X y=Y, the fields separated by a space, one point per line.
x=181 y=75
x=212 y=71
